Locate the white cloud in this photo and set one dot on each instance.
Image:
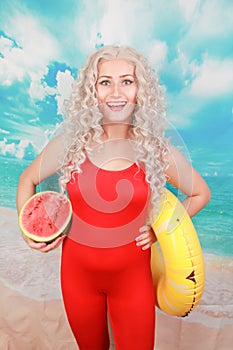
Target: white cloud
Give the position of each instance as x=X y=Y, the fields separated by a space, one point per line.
x=209 y=22
x=115 y=20
x=20 y=151
x=32 y=130
x=39 y=90
x=182 y=108
x=5 y=45
x=189 y=8
x=10 y=67
x=34 y=50
x=121 y=22
x=24 y=148
x=215 y=18
x=157 y=53
x=3 y=131
x=7 y=149
x=108 y=18
x=86 y=26
x=214 y=78
x=64 y=88
x=38 y=43
x=11 y=149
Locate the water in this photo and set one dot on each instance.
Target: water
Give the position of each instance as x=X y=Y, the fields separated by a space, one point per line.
x=9 y=177
x=213 y=224
x=11 y=170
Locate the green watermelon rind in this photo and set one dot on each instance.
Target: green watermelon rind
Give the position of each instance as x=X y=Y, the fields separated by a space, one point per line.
x=63 y=230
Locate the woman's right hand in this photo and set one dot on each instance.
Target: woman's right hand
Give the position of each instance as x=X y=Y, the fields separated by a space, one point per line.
x=44 y=247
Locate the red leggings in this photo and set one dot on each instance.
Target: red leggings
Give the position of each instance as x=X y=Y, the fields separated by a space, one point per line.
x=115 y=280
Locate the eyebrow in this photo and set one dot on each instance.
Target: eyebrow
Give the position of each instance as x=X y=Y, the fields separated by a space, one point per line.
x=121 y=76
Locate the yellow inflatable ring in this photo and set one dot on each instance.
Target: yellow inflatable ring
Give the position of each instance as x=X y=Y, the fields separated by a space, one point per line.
x=176 y=259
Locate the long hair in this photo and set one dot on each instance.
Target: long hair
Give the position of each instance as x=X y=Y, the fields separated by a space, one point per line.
x=84 y=119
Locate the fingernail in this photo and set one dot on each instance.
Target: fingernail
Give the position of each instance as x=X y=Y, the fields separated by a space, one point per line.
x=42 y=245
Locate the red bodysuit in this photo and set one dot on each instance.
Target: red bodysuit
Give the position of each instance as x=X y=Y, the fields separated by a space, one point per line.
x=102 y=270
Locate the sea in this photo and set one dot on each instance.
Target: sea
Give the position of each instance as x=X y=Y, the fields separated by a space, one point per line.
x=214 y=224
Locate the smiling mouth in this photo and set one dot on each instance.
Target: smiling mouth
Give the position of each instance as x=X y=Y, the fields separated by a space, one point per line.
x=116 y=106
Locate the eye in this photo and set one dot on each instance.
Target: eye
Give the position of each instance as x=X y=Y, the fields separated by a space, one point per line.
x=127 y=82
x=104 y=82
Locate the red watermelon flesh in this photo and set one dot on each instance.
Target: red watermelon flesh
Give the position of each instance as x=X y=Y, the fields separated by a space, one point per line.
x=45 y=216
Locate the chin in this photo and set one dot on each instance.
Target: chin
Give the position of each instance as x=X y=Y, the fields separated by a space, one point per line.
x=117 y=115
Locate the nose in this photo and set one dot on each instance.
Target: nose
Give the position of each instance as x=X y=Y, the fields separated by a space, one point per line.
x=116 y=90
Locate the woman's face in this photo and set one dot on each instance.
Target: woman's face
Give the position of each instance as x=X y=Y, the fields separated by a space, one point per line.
x=116 y=88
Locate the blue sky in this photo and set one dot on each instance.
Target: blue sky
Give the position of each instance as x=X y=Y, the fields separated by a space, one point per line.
x=43 y=43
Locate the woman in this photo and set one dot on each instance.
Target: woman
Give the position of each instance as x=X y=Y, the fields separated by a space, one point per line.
x=114 y=162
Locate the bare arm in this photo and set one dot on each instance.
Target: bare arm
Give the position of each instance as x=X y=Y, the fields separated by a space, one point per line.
x=45 y=165
x=182 y=175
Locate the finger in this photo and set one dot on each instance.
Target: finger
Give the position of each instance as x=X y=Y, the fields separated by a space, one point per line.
x=147 y=246
x=141 y=237
x=55 y=244
x=143 y=242
x=144 y=228
x=32 y=244
x=50 y=247
x=59 y=241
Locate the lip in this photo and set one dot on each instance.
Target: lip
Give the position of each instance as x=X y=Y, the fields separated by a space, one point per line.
x=116 y=106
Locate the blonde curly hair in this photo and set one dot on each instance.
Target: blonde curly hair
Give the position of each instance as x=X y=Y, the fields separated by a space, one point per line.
x=84 y=119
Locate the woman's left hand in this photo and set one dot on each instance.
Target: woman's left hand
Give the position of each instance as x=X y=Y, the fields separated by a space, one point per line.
x=147 y=238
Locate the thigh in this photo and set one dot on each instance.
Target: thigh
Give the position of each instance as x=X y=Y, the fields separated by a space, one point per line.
x=85 y=306
x=132 y=310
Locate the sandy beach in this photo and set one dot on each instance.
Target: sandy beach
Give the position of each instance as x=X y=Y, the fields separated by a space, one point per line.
x=32 y=316
x=27 y=324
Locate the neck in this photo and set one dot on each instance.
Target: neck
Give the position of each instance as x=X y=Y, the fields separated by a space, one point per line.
x=116 y=131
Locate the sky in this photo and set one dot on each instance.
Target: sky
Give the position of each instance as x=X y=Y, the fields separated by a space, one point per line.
x=44 y=43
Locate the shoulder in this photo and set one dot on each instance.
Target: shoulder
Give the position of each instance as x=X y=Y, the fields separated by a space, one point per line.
x=178 y=167
x=55 y=146
x=174 y=157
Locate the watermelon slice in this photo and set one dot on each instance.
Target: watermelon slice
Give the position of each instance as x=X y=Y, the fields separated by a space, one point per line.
x=45 y=216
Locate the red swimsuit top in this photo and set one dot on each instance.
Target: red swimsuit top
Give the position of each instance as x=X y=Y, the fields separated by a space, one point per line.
x=109 y=207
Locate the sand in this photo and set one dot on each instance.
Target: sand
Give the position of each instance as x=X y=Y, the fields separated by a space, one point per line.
x=32 y=315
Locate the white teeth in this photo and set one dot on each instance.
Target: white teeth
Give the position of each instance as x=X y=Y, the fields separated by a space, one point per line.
x=116 y=104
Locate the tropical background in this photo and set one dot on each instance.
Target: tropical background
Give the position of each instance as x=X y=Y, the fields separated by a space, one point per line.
x=189 y=43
